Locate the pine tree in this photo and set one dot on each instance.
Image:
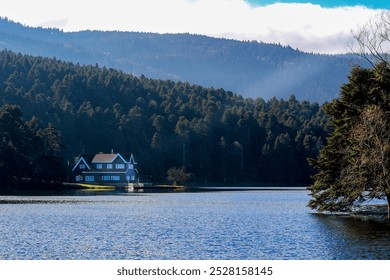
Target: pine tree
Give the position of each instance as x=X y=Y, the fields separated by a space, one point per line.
x=354 y=166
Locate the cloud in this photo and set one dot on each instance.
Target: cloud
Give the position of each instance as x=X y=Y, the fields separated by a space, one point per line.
x=308 y=27
x=57 y=23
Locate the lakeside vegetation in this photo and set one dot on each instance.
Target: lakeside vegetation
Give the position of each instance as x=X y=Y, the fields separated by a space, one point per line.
x=354 y=166
x=27 y=149
x=216 y=135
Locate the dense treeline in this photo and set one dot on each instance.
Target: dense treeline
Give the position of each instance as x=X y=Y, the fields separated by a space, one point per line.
x=216 y=135
x=28 y=150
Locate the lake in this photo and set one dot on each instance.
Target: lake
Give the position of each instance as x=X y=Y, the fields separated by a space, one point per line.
x=253 y=224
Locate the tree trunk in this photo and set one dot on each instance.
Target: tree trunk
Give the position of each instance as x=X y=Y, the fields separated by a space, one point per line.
x=388 y=206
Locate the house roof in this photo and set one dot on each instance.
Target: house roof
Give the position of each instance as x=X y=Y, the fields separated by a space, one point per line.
x=104 y=158
x=132 y=159
x=79 y=160
x=88 y=159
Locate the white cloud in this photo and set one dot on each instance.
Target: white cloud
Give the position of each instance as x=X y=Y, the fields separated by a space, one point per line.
x=305 y=26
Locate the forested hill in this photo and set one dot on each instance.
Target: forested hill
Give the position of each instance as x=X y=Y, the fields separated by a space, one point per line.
x=251 y=69
x=217 y=135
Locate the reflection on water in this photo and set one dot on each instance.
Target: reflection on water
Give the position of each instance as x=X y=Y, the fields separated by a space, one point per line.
x=196 y=225
x=362 y=237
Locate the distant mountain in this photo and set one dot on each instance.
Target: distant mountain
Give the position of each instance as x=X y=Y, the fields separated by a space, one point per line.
x=251 y=69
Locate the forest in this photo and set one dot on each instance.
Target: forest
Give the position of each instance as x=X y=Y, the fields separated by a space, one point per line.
x=253 y=69
x=51 y=111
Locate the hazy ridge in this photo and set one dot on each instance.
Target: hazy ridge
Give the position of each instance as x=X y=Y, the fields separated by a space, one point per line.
x=251 y=69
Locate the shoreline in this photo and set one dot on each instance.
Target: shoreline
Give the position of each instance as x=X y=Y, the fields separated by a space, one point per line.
x=27 y=187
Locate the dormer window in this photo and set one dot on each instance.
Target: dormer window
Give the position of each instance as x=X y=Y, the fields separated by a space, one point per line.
x=99 y=166
x=109 y=166
x=82 y=166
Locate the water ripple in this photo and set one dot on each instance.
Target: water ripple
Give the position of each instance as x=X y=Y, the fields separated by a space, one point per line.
x=214 y=225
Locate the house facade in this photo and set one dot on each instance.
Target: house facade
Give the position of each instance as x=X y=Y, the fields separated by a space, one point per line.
x=105 y=169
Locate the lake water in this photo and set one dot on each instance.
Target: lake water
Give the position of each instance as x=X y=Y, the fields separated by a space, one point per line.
x=274 y=225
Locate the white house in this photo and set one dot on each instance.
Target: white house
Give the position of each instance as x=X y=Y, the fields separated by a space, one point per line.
x=105 y=169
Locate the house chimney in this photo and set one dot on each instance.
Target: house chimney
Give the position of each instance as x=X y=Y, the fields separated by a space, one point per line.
x=112 y=151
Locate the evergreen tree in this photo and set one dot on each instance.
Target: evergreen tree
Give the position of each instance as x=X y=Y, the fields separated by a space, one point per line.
x=27 y=150
x=49 y=165
x=15 y=141
x=354 y=166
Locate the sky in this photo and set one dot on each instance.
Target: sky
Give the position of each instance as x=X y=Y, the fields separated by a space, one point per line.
x=311 y=26
x=374 y=4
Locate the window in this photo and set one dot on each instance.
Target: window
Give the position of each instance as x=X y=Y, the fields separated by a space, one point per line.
x=131 y=166
x=99 y=166
x=89 y=178
x=106 y=178
x=119 y=166
x=130 y=178
x=109 y=166
x=82 y=166
x=115 y=178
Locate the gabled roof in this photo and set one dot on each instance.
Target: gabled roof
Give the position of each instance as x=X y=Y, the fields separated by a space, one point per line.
x=89 y=159
x=103 y=158
x=106 y=158
x=81 y=160
x=132 y=161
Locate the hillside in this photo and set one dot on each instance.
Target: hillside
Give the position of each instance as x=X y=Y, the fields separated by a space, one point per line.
x=217 y=135
x=250 y=69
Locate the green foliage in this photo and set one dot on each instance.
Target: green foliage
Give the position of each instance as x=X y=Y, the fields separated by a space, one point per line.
x=354 y=166
x=27 y=150
x=219 y=136
x=177 y=175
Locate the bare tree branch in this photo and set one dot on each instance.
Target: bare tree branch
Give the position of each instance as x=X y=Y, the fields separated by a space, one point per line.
x=372 y=40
